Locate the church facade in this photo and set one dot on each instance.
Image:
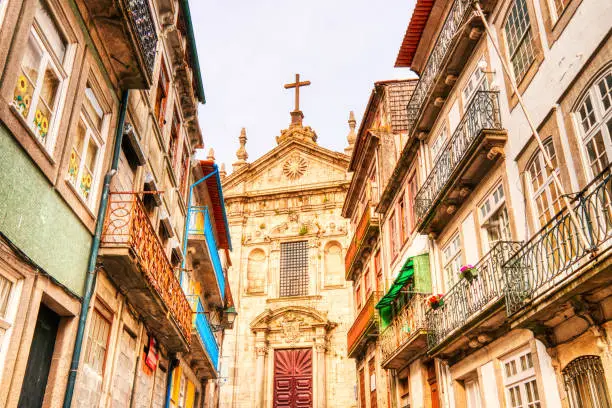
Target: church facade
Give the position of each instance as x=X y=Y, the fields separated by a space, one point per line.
x=288 y=344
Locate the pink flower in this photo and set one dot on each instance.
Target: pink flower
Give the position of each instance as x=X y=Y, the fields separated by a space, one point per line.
x=466 y=267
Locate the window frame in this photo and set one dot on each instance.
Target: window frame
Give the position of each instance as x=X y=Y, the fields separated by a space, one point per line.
x=451 y=276
x=601 y=119
x=61 y=69
x=477 y=85
x=106 y=315
x=438 y=142
x=529 y=32
x=304 y=287
x=163 y=102
x=7 y=322
x=548 y=180
x=521 y=378
x=493 y=209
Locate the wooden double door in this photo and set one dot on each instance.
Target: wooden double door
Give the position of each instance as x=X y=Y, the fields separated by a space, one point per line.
x=293 y=378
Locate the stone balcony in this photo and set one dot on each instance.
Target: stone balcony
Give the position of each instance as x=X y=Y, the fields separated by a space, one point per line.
x=206 y=262
x=204 y=347
x=464 y=160
x=364 y=326
x=473 y=311
x=134 y=258
x=362 y=242
x=450 y=53
x=126 y=31
x=406 y=336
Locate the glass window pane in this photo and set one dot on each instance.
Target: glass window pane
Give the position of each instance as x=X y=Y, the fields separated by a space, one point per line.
x=41 y=120
x=5 y=294
x=92 y=154
x=50 y=86
x=51 y=32
x=93 y=108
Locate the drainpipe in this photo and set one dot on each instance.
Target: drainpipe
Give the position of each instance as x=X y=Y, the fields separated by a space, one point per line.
x=171 y=367
x=90 y=278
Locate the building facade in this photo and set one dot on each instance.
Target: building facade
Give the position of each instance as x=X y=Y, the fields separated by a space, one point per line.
x=508 y=198
x=288 y=346
x=98 y=128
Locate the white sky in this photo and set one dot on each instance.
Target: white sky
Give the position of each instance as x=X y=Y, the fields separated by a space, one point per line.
x=249 y=49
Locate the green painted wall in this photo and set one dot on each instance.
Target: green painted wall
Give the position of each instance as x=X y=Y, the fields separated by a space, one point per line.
x=36 y=219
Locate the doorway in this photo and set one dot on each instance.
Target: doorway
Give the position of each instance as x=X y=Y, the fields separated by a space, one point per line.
x=293 y=378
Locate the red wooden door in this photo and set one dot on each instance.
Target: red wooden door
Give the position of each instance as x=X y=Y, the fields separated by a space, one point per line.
x=373 y=385
x=293 y=378
x=362 y=396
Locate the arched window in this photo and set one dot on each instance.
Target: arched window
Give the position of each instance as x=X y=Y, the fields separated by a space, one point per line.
x=595 y=117
x=585 y=383
x=256 y=273
x=544 y=191
x=334 y=267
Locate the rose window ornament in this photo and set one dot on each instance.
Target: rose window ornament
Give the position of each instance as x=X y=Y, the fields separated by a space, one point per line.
x=295 y=167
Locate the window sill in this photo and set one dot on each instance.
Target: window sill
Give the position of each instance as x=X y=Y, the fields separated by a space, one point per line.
x=28 y=128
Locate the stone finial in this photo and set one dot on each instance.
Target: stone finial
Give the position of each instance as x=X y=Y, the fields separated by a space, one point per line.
x=211 y=154
x=241 y=153
x=352 y=136
x=222 y=172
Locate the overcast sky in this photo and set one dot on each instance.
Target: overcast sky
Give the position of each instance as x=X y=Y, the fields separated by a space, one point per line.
x=249 y=49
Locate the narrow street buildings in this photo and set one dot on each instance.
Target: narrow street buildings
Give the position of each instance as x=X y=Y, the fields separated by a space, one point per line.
x=491 y=242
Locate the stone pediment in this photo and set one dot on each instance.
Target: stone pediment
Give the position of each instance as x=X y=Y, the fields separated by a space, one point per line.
x=292 y=165
x=289 y=319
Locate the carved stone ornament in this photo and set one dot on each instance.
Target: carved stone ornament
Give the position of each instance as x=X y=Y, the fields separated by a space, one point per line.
x=295 y=167
x=291 y=328
x=261 y=350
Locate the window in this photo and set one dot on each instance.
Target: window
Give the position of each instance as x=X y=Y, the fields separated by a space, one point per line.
x=358 y=297
x=367 y=282
x=378 y=269
x=494 y=219
x=87 y=146
x=451 y=255
x=294 y=269
x=472 y=394
x=585 y=383
x=393 y=235
x=413 y=189
x=97 y=340
x=519 y=38
x=184 y=171
x=559 y=7
x=174 y=140
x=476 y=82
x=42 y=77
x=438 y=142
x=520 y=384
x=372 y=370
x=161 y=97
x=595 y=117
x=373 y=185
x=403 y=221
x=6 y=290
x=543 y=188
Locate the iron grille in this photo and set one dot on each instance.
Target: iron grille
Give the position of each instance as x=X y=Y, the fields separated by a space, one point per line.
x=585 y=383
x=294 y=269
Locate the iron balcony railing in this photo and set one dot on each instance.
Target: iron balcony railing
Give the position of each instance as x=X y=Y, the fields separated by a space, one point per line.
x=409 y=320
x=141 y=19
x=458 y=14
x=127 y=225
x=200 y=224
x=205 y=333
x=366 y=221
x=481 y=114
x=366 y=317
x=467 y=299
x=552 y=256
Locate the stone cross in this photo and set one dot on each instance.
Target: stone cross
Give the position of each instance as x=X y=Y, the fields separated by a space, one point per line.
x=297 y=85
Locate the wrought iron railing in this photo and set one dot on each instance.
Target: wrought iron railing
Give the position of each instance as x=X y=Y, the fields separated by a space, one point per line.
x=202 y=327
x=200 y=224
x=481 y=114
x=409 y=320
x=467 y=299
x=456 y=17
x=127 y=225
x=367 y=315
x=557 y=250
x=365 y=222
x=141 y=19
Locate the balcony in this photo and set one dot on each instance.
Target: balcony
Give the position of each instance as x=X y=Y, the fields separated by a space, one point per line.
x=364 y=326
x=473 y=311
x=204 y=346
x=563 y=266
x=405 y=337
x=453 y=47
x=362 y=242
x=126 y=31
x=206 y=262
x=465 y=158
x=135 y=260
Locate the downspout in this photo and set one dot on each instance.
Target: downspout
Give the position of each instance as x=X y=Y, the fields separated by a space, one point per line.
x=171 y=367
x=90 y=278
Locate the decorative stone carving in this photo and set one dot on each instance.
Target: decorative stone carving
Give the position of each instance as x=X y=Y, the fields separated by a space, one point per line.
x=261 y=350
x=291 y=328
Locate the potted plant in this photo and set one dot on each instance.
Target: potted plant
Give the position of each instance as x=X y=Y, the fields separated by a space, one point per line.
x=436 y=301
x=468 y=272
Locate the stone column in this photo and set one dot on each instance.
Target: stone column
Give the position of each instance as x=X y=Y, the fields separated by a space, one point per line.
x=261 y=351
x=320 y=349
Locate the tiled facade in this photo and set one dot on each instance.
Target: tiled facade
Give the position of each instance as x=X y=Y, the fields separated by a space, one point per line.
x=72 y=72
x=527 y=323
